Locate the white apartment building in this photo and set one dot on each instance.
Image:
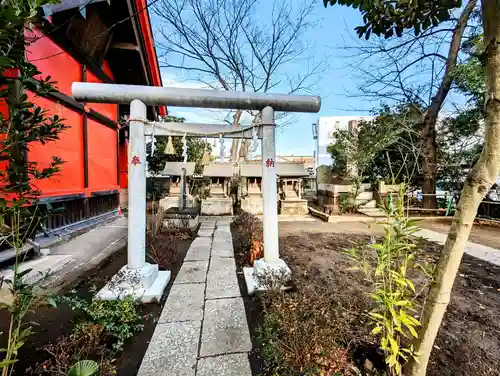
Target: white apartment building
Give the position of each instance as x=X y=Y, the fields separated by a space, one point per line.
x=323 y=131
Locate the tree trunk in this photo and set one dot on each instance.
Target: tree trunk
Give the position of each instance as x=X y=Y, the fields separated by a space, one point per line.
x=479 y=181
x=236 y=142
x=429 y=151
x=243 y=150
x=234 y=150
x=429 y=162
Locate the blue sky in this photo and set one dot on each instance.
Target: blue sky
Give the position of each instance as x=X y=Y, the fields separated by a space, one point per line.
x=335 y=25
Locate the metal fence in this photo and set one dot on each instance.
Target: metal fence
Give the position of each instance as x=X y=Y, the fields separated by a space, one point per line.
x=446 y=204
x=489 y=210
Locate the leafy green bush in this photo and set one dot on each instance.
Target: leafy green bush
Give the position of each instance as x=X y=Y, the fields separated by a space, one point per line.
x=68 y=351
x=393 y=292
x=348 y=205
x=120 y=318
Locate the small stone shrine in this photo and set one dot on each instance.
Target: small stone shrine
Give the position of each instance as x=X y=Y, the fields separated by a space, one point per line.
x=219 y=201
x=251 y=194
x=290 y=183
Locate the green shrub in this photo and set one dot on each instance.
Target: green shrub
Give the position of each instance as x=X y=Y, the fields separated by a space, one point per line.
x=120 y=318
x=348 y=205
x=393 y=292
x=67 y=351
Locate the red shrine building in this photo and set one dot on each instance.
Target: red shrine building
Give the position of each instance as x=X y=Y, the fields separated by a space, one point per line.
x=92 y=41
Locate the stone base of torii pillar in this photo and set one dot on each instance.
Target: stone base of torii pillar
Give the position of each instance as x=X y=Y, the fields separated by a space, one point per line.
x=267 y=275
x=145 y=284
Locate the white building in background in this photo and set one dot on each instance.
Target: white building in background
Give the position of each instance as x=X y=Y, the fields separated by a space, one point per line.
x=323 y=131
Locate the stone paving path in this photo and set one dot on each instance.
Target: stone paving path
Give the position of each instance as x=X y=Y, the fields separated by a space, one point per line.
x=202 y=330
x=480 y=251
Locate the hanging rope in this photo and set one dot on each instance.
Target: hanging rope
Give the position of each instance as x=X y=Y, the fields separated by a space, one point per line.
x=153 y=141
x=254 y=142
x=221 y=143
x=184 y=147
x=170 y=150
x=180 y=131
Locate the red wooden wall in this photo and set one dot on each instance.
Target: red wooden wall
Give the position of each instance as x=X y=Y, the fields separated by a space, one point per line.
x=102 y=149
x=124 y=165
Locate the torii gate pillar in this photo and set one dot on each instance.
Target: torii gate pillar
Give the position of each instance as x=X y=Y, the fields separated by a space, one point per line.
x=271 y=264
x=138 y=278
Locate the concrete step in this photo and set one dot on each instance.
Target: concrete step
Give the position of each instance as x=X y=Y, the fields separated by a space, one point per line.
x=40 y=267
x=370 y=209
x=58 y=236
x=372 y=212
x=370 y=204
x=366 y=195
x=10 y=254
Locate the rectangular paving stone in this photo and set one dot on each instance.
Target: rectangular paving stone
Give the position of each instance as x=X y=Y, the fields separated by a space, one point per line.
x=226 y=236
x=184 y=303
x=172 y=350
x=201 y=253
x=205 y=233
x=223 y=230
x=222 y=264
x=222 y=284
x=211 y=229
x=222 y=250
x=201 y=242
x=224 y=365
x=227 y=243
x=222 y=239
x=225 y=328
x=192 y=272
x=207 y=225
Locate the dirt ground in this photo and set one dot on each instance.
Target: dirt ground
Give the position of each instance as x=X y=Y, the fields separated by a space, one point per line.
x=319 y=226
x=484 y=234
x=469 y=339
x=52 y=323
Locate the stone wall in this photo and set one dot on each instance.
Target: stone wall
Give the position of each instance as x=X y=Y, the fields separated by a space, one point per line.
x=383 y=191
x=183 y=222
x=217 y=206
x=293 y=207
x=330 y=194
x=252 y=205
x=173 y=202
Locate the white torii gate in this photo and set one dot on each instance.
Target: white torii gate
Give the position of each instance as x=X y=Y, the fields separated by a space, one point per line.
x=139 y=278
